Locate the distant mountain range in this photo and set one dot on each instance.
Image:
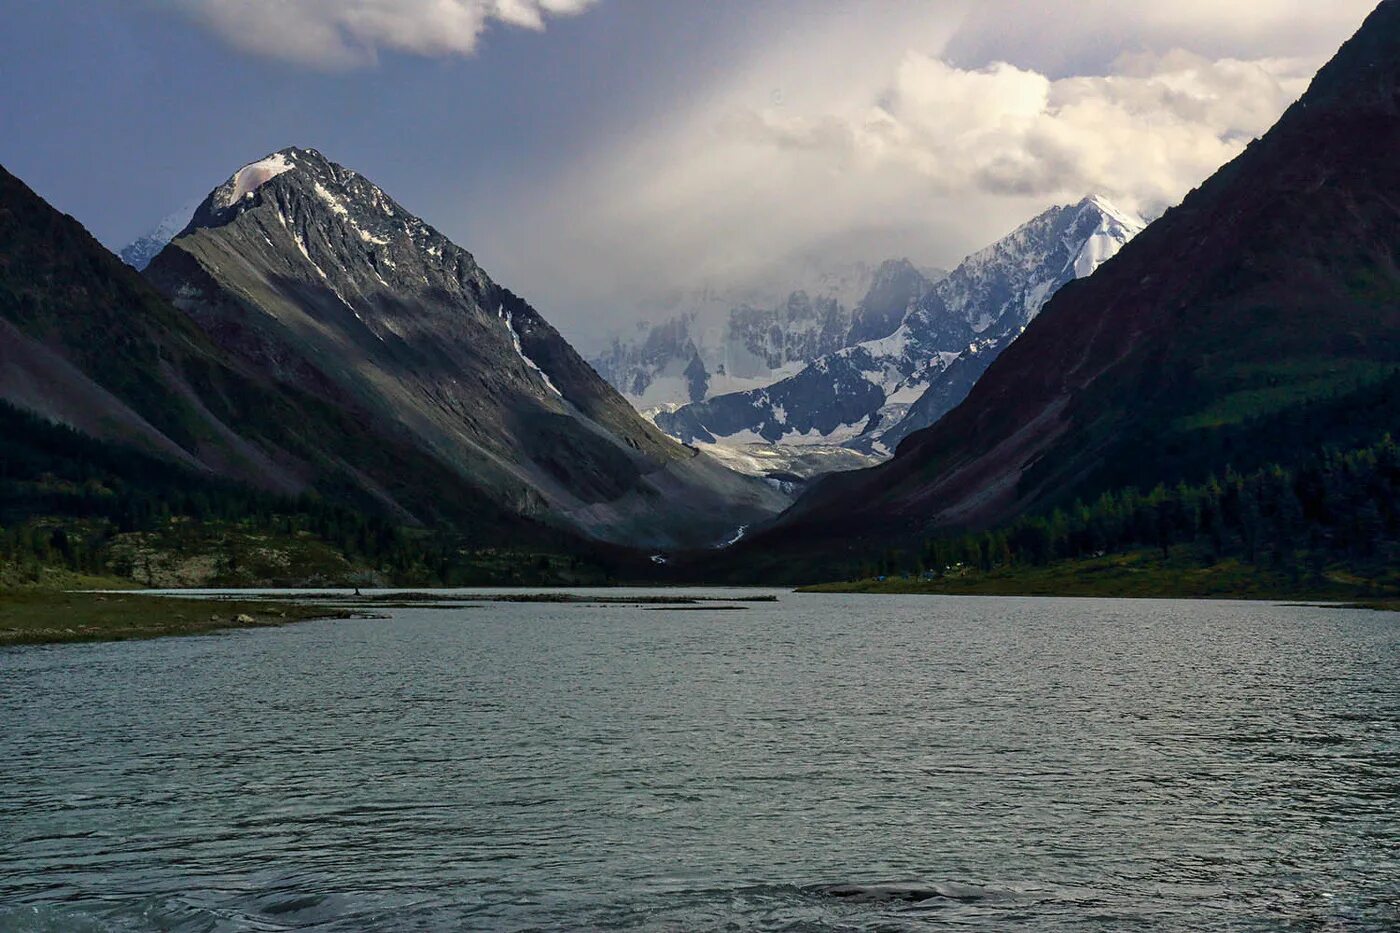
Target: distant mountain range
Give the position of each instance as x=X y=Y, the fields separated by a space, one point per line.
x=923 y=344
x=306 y=333
x=139 y=253
x=1254 y=323
x=713 y=343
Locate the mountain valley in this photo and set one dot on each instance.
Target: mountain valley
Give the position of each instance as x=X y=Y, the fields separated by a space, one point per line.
x=301 y=346
x=1256 y=323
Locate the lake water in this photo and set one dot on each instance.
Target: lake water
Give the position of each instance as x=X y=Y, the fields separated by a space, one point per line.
x=1020 y=763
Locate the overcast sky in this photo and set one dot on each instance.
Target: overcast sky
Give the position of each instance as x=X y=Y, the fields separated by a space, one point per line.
x=596 y=154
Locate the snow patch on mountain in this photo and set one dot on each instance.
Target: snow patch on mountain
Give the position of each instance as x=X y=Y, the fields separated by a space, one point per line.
x=785 y=464
x=1107 y=239
x=251 y=177
x=338 y=207
x=520 y=351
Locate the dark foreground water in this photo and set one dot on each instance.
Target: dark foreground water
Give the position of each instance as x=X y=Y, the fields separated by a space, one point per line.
x=1021 y=764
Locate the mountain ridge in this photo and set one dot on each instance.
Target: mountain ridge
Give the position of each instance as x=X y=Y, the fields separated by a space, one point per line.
x=90 y=344
x=140 y=251
x=862 y=393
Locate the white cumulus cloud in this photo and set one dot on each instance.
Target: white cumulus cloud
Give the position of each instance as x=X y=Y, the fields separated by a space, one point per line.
x=1144 y=134
x=347 y=33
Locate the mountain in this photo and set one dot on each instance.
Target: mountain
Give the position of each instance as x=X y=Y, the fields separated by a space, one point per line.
x=312 y=277
x=1257 y=320
x=895 y=289
x=713 y=343
x=225 y=392
x=920 y=360
x=139 y=253
x=692 y=355
x=86 y=342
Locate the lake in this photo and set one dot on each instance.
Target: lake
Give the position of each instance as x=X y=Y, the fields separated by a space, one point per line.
x=1030 y=764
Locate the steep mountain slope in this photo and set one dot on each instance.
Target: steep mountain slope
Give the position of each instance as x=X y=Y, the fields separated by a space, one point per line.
x=86 y=342
x=715 y=344
x=869 y=395
x=1274 y=287
x=311 y=276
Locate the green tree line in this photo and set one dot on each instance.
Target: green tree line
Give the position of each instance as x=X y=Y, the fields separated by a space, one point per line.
x=1334 y=507
x=66 y=497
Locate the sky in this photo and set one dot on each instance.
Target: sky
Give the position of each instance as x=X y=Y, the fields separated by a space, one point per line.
x=601 y=156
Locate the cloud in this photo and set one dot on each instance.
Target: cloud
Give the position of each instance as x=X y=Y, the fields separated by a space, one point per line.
x=931 y=162
x=1062 y=38
x=349 y=33
x=909 y=130
x=790 y=135
x=1143 y=135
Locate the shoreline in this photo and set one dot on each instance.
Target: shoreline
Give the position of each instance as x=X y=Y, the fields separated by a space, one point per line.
x=49 y=617
x=38 y=616
x=45 y=616
x=857 y=588
x=1143 y=574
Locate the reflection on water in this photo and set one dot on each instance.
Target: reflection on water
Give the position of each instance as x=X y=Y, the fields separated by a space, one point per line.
x=822 y=762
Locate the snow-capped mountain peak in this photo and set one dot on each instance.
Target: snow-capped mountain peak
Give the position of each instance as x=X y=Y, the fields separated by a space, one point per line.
x=716 y=342
x=1115 y=227
x=713 y=341
x=1112 y=212
x=252 y=176
x=139 y=252
x=869 y=395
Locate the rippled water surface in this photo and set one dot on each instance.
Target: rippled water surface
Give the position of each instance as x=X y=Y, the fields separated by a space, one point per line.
x=1023 y=764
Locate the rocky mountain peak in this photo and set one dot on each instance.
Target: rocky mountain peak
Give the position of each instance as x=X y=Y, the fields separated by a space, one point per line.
x=893 y=270
x=896 y=286
x=313 y=276
x=1109 y=211
x=318 y=221
x=305 y=175
x=139 y=252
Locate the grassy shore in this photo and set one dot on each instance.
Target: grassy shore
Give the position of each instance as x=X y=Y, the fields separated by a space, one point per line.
x=1136 y=575
x=64 y=609
x=41 y=616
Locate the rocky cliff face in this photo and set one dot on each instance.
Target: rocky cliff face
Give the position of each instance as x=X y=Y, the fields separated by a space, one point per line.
x=311 y=275
x=870 y=395
x=896 y=289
